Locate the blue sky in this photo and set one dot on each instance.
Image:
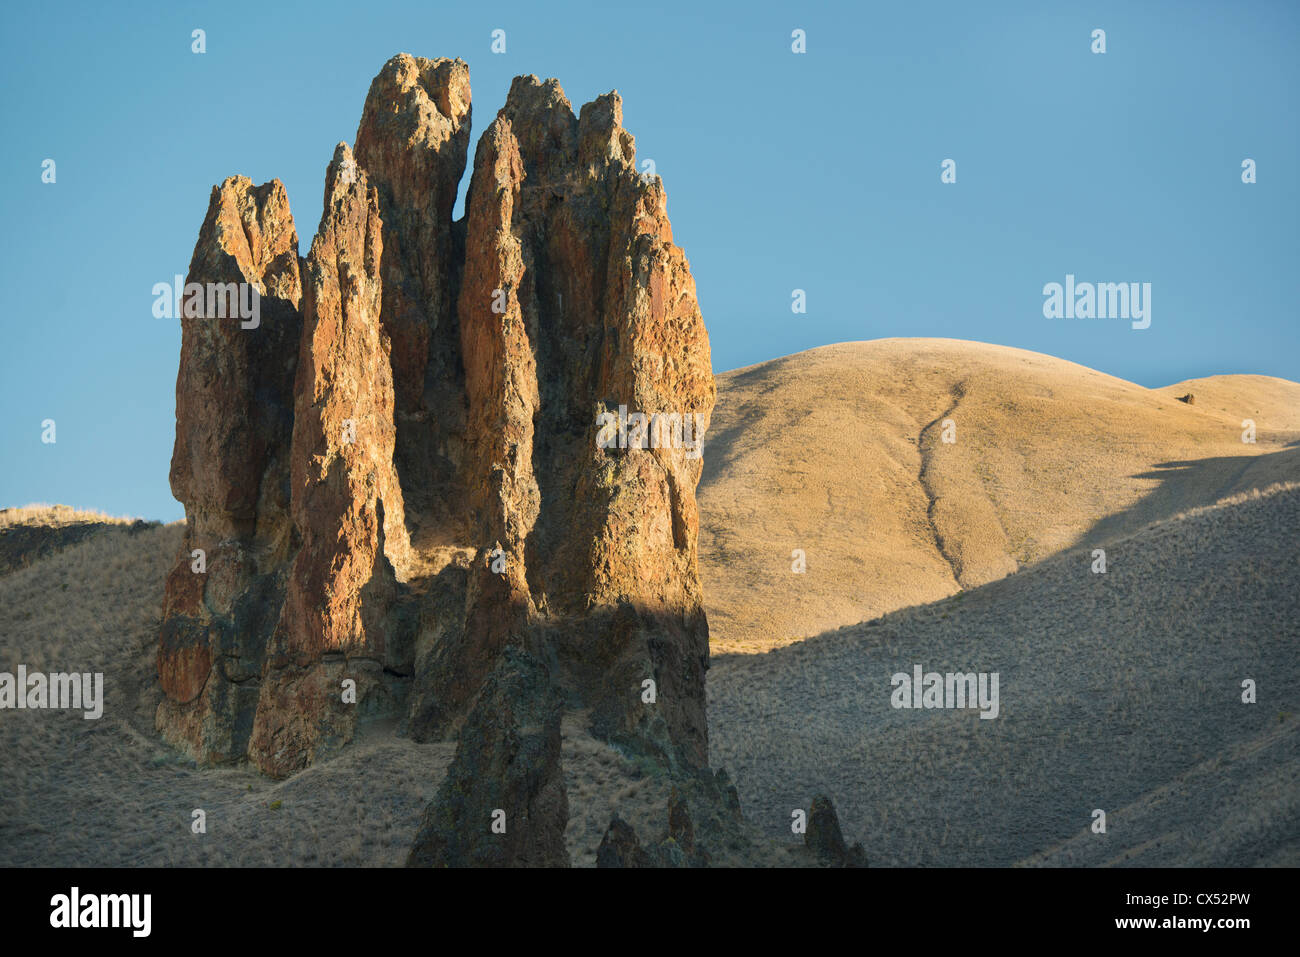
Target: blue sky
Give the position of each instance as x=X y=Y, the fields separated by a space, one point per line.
x=818 y=171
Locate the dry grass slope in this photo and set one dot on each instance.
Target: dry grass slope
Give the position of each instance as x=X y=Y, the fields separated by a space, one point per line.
x=109 y=792
x=31 y=532
x=56 y=516
x=839 y=452
x=1120 y=691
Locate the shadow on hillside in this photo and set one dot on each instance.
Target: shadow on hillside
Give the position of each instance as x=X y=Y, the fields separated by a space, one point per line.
x=1146 y=661
x=1183 y=487
x=885 y=626
x=720 y=443
x=720 y=450
x=1194 y=483
x=25 y=545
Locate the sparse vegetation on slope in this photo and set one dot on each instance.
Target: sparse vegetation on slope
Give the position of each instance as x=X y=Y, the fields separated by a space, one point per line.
x=839 y=452
x=1119 y=691
x=31 y=532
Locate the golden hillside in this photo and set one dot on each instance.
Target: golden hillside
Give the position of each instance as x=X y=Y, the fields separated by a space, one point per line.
x=838 y=451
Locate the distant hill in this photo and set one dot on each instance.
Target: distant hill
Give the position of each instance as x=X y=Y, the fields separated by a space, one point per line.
x=32 y=532
x=1119 y=691
x=838 y=452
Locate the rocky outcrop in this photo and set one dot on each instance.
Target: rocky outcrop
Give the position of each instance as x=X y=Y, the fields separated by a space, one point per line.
x=346 y=501
x=575 y=303
x=698 y=795
x=621 y=848
x=503 y=802
x=825 y=839
x=457 y=442
x=230 y=467
x=413 y=141
x=29 y=540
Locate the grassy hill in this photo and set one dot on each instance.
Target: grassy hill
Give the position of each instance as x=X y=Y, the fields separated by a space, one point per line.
x=839 y=452
x=1119 y=691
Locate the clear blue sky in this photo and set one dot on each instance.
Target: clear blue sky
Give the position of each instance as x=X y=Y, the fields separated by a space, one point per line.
x=818 y=171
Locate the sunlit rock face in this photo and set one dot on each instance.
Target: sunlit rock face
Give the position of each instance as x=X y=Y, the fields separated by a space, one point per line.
x=346 y=501
x=412 y=142
x=455 y=455
x=230 y=467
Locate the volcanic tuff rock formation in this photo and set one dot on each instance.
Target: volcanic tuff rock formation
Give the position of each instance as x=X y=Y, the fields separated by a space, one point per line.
x=412 y=141
x=620 y=847
x=575 y=301
x=507 y=766
x=230 y=466
x=394 y=478
x=825 y=838
x=345 y=500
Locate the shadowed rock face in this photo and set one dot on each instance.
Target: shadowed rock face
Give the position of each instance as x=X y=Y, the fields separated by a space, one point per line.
x=230 y=467
x=470 y=516
x=503 y=801
x=412 y=142
x=825 y=838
